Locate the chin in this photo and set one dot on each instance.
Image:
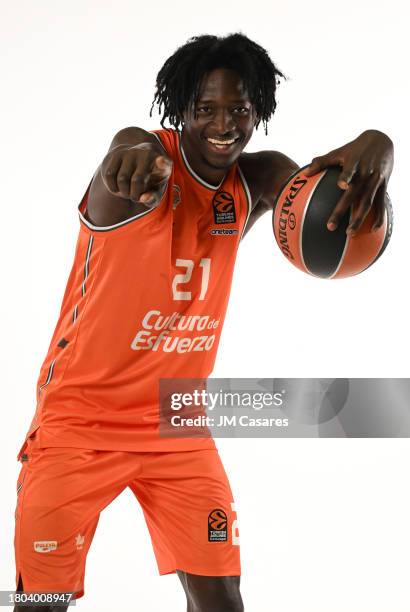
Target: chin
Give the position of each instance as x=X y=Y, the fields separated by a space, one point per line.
x=221 y=162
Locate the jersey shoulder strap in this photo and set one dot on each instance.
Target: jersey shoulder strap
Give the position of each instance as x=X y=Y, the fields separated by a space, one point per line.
x=168 y=138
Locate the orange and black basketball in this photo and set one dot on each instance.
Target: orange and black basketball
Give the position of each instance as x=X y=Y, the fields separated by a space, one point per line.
x=300 y=217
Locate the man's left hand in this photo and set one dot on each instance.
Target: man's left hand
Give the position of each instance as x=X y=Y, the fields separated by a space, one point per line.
x=367 y=163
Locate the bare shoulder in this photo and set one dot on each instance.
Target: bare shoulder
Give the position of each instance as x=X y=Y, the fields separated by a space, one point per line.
x=265 y=172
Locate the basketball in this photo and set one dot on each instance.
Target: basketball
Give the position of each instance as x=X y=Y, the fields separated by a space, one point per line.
x=301 y=212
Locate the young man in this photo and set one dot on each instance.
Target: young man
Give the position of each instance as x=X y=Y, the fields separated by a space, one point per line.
x=161 y=222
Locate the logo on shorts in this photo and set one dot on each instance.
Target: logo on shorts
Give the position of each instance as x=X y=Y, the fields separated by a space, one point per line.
x=45 y=546
x=224 y=208
x=79 y=541
x=217 y=526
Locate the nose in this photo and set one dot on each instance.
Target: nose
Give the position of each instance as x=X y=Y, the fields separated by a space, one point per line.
x=224 y=122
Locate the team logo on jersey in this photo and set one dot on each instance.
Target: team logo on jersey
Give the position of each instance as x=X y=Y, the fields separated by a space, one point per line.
x=217 y=526
x=45 y=546
x=224 y=208
x=176 y=192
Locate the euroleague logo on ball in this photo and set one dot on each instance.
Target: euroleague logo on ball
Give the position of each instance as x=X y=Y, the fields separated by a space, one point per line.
x=224 y=208
x=217 y=526
x=292 y=221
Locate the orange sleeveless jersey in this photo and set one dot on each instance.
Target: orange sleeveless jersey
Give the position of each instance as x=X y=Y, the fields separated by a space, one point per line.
x=146 y=299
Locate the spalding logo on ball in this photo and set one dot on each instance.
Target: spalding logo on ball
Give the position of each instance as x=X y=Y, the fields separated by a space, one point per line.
x=301 y=213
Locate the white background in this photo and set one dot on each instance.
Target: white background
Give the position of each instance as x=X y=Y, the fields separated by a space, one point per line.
x=324 y=523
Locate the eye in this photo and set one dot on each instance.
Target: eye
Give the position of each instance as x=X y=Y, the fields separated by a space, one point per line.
x=241 y=110
x=203 y=109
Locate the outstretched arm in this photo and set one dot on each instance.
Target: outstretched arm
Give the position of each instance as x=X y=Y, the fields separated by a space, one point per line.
x=366 y=165
x=266 y=173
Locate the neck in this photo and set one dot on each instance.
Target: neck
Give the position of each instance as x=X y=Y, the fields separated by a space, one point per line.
x=207 y=173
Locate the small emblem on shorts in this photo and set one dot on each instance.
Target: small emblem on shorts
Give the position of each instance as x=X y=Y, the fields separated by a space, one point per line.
x=45 y=546
x=79 y=541
x=217 y=526
x=224 y=208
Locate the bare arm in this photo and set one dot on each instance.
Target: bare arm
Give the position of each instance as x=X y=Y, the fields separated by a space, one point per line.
x=266 y=173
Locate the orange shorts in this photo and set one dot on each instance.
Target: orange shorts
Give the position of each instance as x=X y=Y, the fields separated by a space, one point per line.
x=185 y=496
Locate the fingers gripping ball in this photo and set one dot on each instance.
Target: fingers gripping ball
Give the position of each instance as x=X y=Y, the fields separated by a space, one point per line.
x=300 y=215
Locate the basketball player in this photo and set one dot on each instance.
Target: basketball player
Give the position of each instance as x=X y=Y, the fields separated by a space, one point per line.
x=160 y=224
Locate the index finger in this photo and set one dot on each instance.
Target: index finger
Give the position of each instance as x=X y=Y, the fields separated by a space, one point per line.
x=346 y=176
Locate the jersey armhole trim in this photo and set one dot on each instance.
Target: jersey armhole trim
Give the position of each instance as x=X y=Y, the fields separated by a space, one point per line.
x=160 y=141
x=248 y=199
x=107 y=228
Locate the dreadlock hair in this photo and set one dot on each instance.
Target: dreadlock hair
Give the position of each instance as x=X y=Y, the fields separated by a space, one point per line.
x=179 y=80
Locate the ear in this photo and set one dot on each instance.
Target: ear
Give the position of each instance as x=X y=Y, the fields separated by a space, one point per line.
x=185 y=117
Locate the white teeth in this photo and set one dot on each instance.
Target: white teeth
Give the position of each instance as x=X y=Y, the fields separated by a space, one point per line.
x=220 y=142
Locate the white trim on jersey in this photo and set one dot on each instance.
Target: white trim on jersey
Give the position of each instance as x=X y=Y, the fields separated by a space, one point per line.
x=249 y=199
x=195 y=175
x=100 y=228
x=160 y=142
x=86 y=265
x=49 y=377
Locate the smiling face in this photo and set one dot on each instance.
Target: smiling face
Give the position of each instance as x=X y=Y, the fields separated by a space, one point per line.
x=224 y=123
